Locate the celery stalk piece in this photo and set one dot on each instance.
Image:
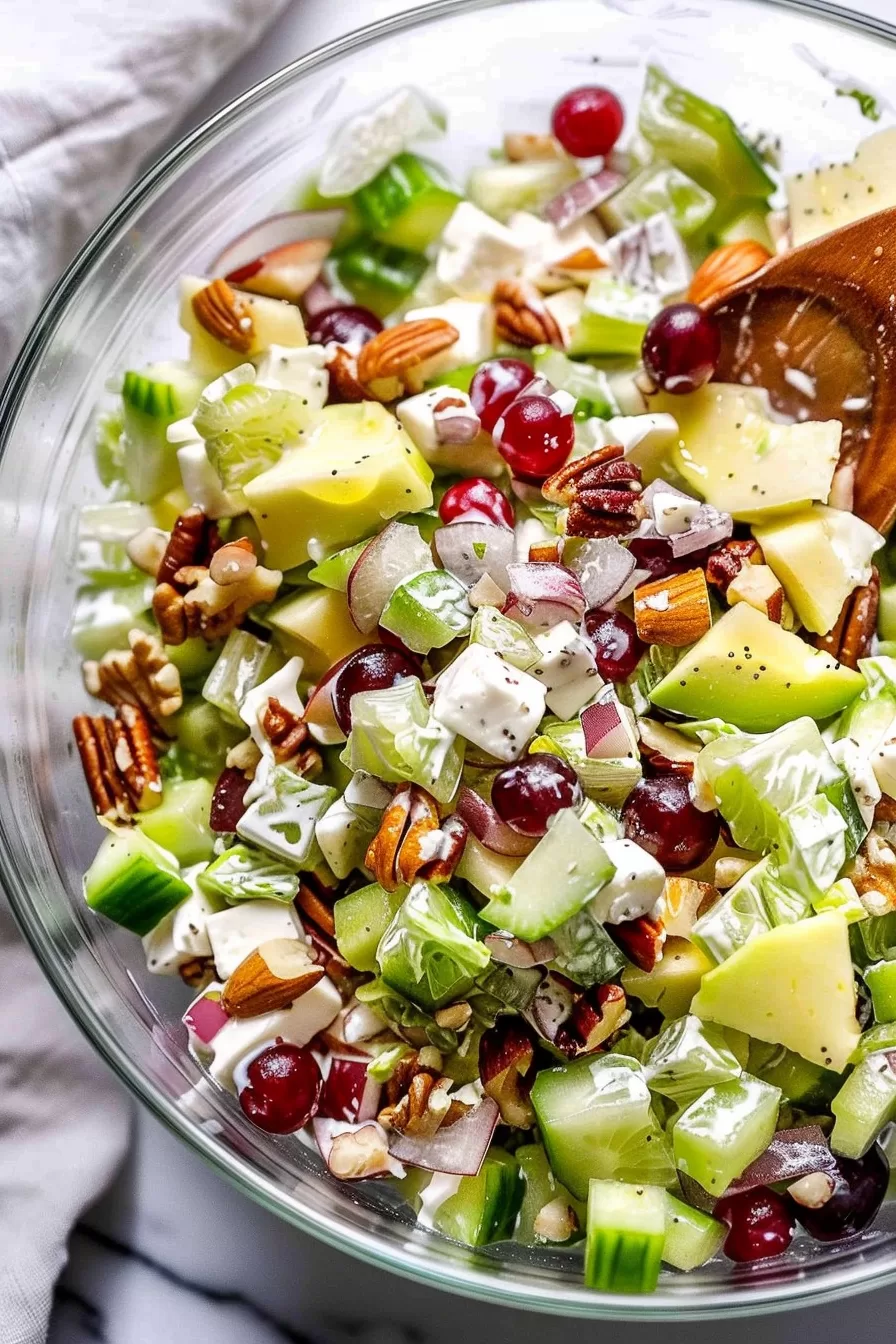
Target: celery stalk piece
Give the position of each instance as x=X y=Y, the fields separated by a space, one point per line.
x=430 y=951
x=724 y=1130
x=407 y=204
x=362 y=918
x=180 y=823
x=881 y=980
x=395 y=737
x=484 y=1207
x=103 y=616
x=660 y=188
x=152 y=399
x=244 y=663
x=614 y=318
x=865 y=1104
x=378 y=275
x=247 y=429
x=494 y=630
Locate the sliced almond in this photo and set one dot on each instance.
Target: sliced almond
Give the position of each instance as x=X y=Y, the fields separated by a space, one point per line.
x=272 y=977
x=674 y=610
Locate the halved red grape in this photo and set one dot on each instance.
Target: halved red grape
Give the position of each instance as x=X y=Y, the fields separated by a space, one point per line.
x=228 y=800
x=283 y=1089
x=478 y=496
x=527 y=794
x=371 y=668
x=536 y=437
x=588 y=121
x=495 y=385
x=681 y=348
x=760 y=1222
x=617 y=648
x=859 y=1189
x=660 y=817
x=348 y=325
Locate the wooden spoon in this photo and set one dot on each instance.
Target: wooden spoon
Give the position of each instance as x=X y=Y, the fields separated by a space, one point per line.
x=817 y=327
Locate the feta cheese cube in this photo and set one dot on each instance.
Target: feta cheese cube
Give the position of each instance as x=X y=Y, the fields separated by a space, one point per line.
x=343 y=837
x=476 y=340
x=417 y=417
x=652 y=257
x=635 y=889
x=476 y=252
x=282 y=686
x=182 y=934
x=488 y=702
x=566 y=669
x=202 y=483
x=547 y=247
x=673 y=512
x=234 y=933
x=302 y=370
x=646 y=439
x=366 y=796
x=299 y=1023
x=281 y=818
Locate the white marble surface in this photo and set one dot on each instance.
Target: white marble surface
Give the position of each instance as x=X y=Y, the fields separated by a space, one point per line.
x=173 y=1255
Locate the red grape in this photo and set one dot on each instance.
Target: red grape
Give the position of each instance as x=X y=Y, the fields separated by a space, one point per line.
x=371 y=668
x=859 y=1189
x=495 y=385
x=760 y=1221
x=660 y=817
x=479 y=497
x=536 y=438
x=349 y=325
x=681 y=348
x=283 y=1089
x=617 y=648
x=228 y=800
x=527 y=794
x=588 y=121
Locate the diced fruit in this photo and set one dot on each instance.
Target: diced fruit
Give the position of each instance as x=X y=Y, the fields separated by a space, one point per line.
x=485 y=1207
x=726 y=1129
x=153 y=398
x=881 y=980
x=528 y=794
x=317 y=626
x=486 y=871
x=358 y=469
x=681 y=348
x=430 y=951
x=782 y=678
x=865 y=1104
x=362 y=918
x=407 y=204
x=180 y=824
x=274 y=322
x=760 y=1223
x=806 y=995
x=133 y=881
x=597 y=1122
x=378 y=275
x=503 y=188
x=820 y=555
x=626 y=1236
x=692 y=1237
x=859 y=1190
x=397 y=553
x=823 y=199
x=335 y=570
x=614 y=319
x=428 y=611
x=672 y=984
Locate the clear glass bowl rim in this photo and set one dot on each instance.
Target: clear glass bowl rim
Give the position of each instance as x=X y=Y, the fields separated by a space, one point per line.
x=432 y=1270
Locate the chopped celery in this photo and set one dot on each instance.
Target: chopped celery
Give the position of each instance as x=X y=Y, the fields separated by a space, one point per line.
x=812 y=846
x=880 y=978
x=407 y=204
x=626 y=1235
x=428 y=611
x=692 y=1237
x=865 y=1104
x=383 y=1066
x=430 y=951
x=108 y=449
x=244 y=873
x=180 y=824
x=582 y=381
x=565 y=870
x=247 y=428
x=282 y=819
x=362 y=918
x=194 y=659
x=660 y=188
x=133 y=881
x=377 y=275
x=724 y=1130
x=204 y=737
x=497 y=631
x=688 y=1057
x=512 y=986
x=609 y=782
x=600 y=820
x=104 y=615
x=656 y=664
x=614 y=318
x=334 y=571
x=395 y=737
x=244 y=663
x=585 y=951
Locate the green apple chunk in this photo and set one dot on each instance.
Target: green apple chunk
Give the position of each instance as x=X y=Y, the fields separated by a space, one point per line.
x=358 y=469
x=792 y=986
x=614 y=318
x=830 y=197
x=739 y=460
x=756 y=676
x=317 y=626
x=820 y=555
x=722 y=1132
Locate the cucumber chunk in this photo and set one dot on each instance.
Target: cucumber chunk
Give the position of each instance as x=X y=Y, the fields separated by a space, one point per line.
x=180 y=823
x=153 y=399
x=485 y=1207
x=334 y=571
x=626 y=1235
x=377 y=275
x=659 y=188
x=692 y=1237
x=864 y=1105
x=133 y=881
x=881 y=980
x=408 y=204
x=722 y=1132
x=362 y=918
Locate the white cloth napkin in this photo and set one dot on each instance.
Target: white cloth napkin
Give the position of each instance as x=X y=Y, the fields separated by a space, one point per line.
x=87 y=88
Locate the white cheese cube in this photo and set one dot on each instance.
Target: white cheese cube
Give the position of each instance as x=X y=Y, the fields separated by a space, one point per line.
x=488 y=702
x=234 y=933
x=417 y=417
x=883 y=762
x=476 y=340
x=566 y=669
x=281 y=817
x=282 y=686
x=652 y=257
x=343 y=837
x=298 y=1023
x=547 y=246
x=367 y=796
x=673 y=513
x=201 y=482
x=302 y=370
x=645 y=439
x=476 y=252
x=635 y=889
x=182 y=935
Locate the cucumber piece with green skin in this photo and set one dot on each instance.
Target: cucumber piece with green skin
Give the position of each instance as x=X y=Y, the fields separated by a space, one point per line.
x=660 y=188
x=880 y=978
x=692 y=1237
x=334 y=571
x=808 y=1085
x=379 y=276
x=243 y=663
x=596 y=1120
x=103 y=616
x=206 y=736
x=180 y=823
x=133 y=881
x=309 y=198
x=626 y=1235
x=748 y=222
x=428 y=611
x=244 y=873
x=362 y=918
x=722 y=1132
x=153 y=398
x=484 y=1207
x=540 y=1188
x=865 y=1104
x=194 y=659
x=407 y=204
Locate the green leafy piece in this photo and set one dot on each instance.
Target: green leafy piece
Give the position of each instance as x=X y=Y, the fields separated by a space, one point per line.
x=244 y=873
x=687 y=1057
x=758 y=901
x=397 y=1009
x=430 y=951
x=868 y=103
x=841 y=896
x=494 y=630
x=874 y=939
x=246 y=429
x=812 y=846
x=585 y=951
x=395 y=737
x=874 y=1040
x=282 y=820
x=508 y=986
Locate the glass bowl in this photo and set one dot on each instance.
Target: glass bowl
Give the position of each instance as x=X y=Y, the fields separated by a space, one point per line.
x=495 y=66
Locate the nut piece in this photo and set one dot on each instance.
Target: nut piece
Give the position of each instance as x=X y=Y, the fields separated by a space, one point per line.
x=285 y=731
x=312 y=904
x=424 y=1109
x=195 y=603
x=356 y=1154
x=685 y=900
x=521 y=148
x=342 y=366
x=398 y=352
x=193 y=541
x=641 y=940
x=556 y=1221
x=725 y=267
x=142 y=675
x=602 y=491
x=726 y=563
x=873 y=872
x=507 y=1069
x=233 y=562
x=223 y=314
x=272 y=977
x=146 y=549
x=852 y=636
x=547 y=552
x=521 y=317
x=411 y=842
x=812 y=1191
x=120 y=763
x=730 y=869
x=453 y=1018
x=596 y=1015
x=759 y=587
x=674 y=610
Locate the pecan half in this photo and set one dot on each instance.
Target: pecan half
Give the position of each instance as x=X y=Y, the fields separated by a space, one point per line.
x=193 y=541
x=521 y=317
x=396 y=354
x=725 y=266
x=312 y=904
x=285 y=731
x=641 y=940
x=412 y=842
x=141 y=675
x=601 y=491
x=120 y=762
x=725 y=563
x=221 y=312
x=195 y=603
x=853 y=633
x=674 y=610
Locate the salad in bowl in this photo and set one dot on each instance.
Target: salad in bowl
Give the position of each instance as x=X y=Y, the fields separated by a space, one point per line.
x=499 y=713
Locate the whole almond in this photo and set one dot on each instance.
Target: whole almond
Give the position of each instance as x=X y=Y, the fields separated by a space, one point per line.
x=725 y=267
x=673 y=611
x=272 y=977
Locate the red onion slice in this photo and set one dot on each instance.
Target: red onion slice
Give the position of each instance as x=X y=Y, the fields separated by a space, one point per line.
x=489 y=829
x=509 y=950
x=582 y=197
x=394 y=555
x=457 y=545
x=634 y=580
x=318 y=298
x=458 y=1149
x=603 y=567
x=607 y=737
x=291 y=226
x=792 y=1153
x=349 y=1092
x=543 y=594
x=692 y=1193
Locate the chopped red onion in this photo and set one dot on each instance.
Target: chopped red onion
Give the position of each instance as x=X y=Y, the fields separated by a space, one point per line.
x=204 y=1018
x=489 y=829
x=634 y=580
x=458 y=1149
x=455 y=420
x=542 y=594
x=318 y=298
x=509 y=950
x=603 y=567
x=709 y=528
x=291 y=226
x=792 y=1153
x=582 y=197
x=458 y=545
x=607 y=737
